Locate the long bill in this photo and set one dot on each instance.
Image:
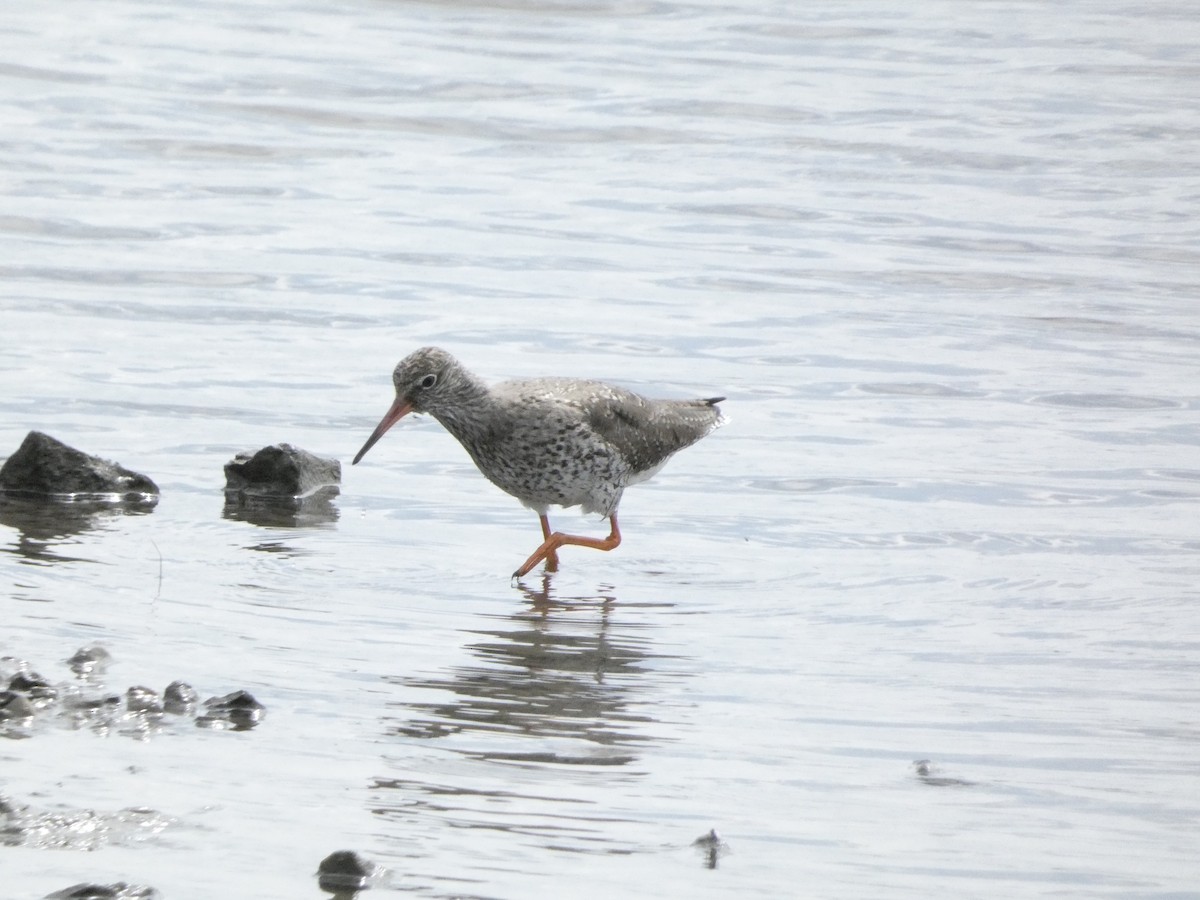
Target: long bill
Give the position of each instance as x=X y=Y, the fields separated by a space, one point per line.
x=398 y=411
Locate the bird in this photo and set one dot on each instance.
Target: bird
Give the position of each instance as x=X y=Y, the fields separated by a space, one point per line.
x=549 y=441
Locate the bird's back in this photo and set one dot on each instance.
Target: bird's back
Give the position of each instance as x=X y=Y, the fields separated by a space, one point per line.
x=568 y=442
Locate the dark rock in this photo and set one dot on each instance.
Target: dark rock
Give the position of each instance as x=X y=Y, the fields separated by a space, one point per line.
x=280 y=471
x=45 y=466
x=180 y=698
x=345 y=870
x=42 y=696
x=238 y=709
x=27 y=681
x=118 y=891
x=36 y=689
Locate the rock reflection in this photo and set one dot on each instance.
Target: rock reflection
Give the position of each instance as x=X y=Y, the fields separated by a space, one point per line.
x=553 y=683
x=44 y=524
x=308 y=511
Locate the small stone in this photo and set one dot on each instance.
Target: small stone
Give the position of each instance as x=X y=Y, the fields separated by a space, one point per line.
x=345 y=870
x=89 y=660
x=143 y=700
x=26 y=681
x=36 y=689
x=180 y=698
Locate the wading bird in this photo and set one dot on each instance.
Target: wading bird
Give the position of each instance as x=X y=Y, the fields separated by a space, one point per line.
x=550 y=441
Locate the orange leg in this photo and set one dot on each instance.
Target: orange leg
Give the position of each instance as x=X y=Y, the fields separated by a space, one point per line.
x=551 y=554
x=549 y=549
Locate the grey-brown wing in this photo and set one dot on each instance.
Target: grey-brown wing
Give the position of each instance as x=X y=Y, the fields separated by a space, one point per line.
x=646 y=432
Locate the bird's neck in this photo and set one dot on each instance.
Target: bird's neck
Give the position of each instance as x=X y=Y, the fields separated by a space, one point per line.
x=468 y=416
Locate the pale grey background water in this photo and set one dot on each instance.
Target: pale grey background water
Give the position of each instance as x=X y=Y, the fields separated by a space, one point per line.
x=943 y=261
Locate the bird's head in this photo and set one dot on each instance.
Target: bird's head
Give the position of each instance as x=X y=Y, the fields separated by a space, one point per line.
x=424 y=377
x=427 y=380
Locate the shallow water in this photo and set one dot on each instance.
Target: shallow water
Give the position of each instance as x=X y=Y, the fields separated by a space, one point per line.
x=943 y=263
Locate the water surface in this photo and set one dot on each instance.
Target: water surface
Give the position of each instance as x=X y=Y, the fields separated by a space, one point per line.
x=941 y=260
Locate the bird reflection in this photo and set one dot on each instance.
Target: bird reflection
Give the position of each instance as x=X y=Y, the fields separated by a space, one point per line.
x=557 y=675
x=543 y=600
x=711 y=848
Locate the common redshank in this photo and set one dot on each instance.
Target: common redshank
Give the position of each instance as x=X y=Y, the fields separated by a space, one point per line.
x=550 y=441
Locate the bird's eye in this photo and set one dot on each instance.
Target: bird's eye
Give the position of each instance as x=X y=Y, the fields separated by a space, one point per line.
x=429 y=380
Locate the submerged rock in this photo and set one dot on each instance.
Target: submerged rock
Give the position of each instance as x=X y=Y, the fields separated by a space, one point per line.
x=927 y=772
x=15 y=709
x=62 y=828
x=29 y=704
x=43 y=465
x=180 y=698
x=27 y=681
x=279 y=471
x=238 y=710
x=144 y=700
x=91 y=660
x=345 y=871
x=37 y=690
x=99 y=713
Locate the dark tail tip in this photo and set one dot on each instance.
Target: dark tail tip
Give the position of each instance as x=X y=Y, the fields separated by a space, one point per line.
x=713 y=401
